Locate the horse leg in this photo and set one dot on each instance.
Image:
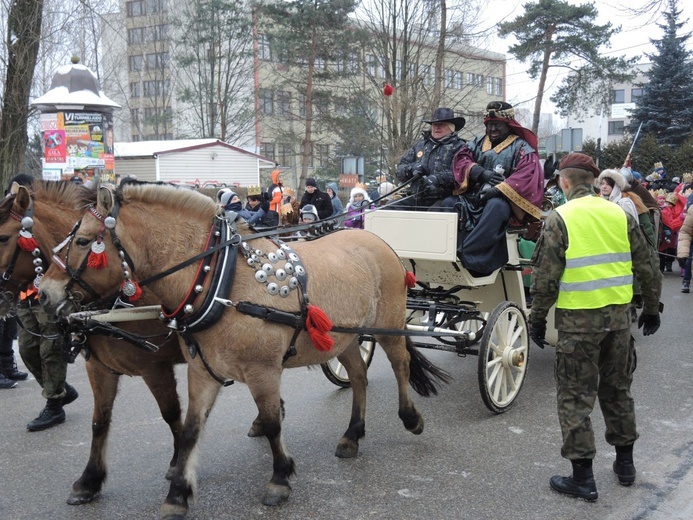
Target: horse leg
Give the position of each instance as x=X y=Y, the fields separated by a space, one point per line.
x=256 y=427
x=162 y=384
x=202 y=393
x=395 y=349
x=104 y=385
x=356 y=368
x=265 y=392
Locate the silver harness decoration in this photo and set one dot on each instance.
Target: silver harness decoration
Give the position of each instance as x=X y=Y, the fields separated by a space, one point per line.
x=281 y=271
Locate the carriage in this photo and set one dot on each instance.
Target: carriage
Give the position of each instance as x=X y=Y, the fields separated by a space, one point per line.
x=453 y=311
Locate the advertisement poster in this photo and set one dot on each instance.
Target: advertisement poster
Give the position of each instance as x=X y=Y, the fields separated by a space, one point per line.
x=55 y=146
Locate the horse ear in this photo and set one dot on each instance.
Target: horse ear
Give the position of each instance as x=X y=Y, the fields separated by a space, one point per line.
x=22 y=198
x=105 y=201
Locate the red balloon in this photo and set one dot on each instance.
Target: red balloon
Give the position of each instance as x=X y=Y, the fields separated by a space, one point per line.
x=388 y=89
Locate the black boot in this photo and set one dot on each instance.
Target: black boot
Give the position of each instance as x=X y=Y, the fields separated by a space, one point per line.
x=6 y=382
x=623 y=465
x=51 y=415
x=70 y=394
x=580 y=484
x=8 y=368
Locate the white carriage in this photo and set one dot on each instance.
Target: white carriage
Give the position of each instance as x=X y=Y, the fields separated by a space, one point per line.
x=454 y=311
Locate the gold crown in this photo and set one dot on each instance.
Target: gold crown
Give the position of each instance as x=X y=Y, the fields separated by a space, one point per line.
x=254 y=190
x=687 y=178
x=658 y=165
x=361 y=185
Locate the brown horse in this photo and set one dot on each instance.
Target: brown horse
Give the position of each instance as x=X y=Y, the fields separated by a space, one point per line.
x=56 y=208
x=353 y=276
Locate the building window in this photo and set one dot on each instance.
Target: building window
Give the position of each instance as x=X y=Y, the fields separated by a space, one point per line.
x=618 y=96
x=449 y=78
x=135 y=114
x=136 y=35
x=616 y=128
x=283 y=103
x=266 y=102
x=135 y=91
x=494 y=86
x=156 y=6
x=158 y=33
x=321 y=154
x=156 y=88
x=302 y=105
x=285 y=155
x=135 y=63
x=476 y=80
x=135 y=8
x=264 y=51
x=157 y=60
x=135 y=138
x=267 y=150
x=635 y=94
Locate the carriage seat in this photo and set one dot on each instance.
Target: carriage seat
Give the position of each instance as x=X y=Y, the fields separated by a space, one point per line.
x=429 y=236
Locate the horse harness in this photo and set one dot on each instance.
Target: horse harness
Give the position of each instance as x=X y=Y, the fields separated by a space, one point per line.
x=281 y=279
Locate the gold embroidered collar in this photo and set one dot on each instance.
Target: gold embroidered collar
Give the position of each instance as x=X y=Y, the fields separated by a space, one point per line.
x=500 y=146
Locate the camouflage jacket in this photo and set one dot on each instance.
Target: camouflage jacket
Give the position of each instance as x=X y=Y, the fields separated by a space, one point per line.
x=434 y=157
x=548 y=265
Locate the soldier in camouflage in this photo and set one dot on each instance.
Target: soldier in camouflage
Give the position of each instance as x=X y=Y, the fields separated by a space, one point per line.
x=428 y=164
x=584 y=263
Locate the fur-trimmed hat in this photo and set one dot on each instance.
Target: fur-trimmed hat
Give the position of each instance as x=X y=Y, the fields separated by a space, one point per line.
x=616 y=176
x=579 y=161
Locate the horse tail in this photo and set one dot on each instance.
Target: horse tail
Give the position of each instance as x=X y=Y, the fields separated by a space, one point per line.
x=424 y=377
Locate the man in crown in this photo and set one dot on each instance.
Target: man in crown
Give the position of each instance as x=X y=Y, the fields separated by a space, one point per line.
x=427 y=166
x=497 y=175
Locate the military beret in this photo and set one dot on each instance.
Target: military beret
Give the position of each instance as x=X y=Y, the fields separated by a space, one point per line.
x=579 y=161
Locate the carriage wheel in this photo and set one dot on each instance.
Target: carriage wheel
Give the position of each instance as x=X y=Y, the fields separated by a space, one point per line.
x=503 y=357
x=335 y=371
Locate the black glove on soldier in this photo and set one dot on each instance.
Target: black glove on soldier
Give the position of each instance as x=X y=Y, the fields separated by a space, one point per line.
x=537 y=331
x=649 y=323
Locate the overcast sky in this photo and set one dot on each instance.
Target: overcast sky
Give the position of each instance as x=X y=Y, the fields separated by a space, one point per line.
x=631 y=41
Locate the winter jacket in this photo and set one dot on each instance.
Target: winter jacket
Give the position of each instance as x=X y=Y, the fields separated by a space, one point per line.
x=683 y=249
x=320 y=200
x=337 y=207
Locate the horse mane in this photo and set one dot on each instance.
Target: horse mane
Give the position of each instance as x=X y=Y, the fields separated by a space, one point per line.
x=61 y=193
x=192 y=202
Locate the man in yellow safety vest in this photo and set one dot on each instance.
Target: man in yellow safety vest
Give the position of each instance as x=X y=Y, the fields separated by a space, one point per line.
x=584 y=263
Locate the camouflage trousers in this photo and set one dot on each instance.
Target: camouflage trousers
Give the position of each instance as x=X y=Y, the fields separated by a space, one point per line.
x=590 y=366
x=41 y=354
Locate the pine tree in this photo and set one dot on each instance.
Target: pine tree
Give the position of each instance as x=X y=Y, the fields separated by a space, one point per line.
x=666 y=105
x=554 y=33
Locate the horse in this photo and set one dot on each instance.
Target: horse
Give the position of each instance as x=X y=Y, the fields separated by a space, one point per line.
x=351 y=276
x=53 y=209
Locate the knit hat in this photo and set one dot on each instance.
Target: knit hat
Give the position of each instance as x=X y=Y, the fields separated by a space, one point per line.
x=579 y=161
x=309 y=213
x=227 y=197
x=311 y=182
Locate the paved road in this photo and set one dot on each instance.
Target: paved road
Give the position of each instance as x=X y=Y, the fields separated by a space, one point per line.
x=467 y=464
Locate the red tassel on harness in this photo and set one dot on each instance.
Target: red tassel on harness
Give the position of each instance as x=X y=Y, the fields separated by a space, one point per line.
x=128 y=286
x=97 y=256
x=409 y=279
x=27 y=243
x=318 y=324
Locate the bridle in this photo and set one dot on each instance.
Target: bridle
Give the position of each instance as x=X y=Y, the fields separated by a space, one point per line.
x=128 y=289
x=25 y=242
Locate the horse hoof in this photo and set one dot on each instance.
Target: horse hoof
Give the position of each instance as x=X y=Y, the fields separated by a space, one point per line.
x=276 y=495
x=418 y=429
x=77 y=498
x=170 y=472
x=347 y=450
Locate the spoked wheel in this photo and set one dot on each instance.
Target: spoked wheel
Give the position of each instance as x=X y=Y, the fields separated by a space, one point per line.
x=335 y=371
x=503 y=357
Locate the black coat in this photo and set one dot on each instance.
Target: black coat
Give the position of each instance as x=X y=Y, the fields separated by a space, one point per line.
x=320 y=200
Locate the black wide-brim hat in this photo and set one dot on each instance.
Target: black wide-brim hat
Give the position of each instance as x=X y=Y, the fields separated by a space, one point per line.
x=446 y=115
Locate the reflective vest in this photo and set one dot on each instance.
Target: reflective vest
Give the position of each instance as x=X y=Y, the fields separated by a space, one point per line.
x=598 y=270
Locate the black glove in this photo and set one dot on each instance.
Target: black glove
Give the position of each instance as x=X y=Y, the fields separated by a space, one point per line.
x=491 y=177
x=418 y=170
x=537 y=331
x=549 y=169
x=491 y=193
x=430 y=186
x=649 y=323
